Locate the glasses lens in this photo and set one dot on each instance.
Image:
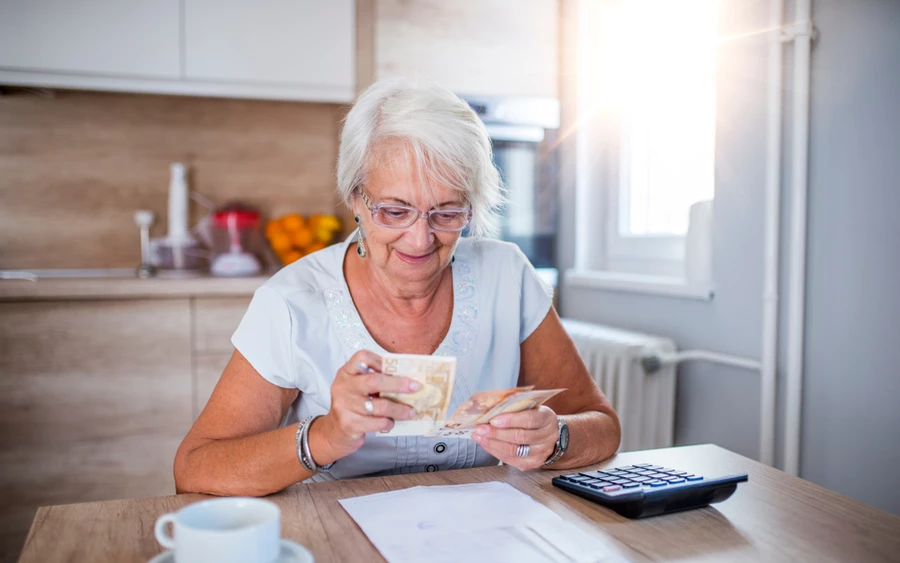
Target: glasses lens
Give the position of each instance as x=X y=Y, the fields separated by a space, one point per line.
x=395 y=216
x=450 y=220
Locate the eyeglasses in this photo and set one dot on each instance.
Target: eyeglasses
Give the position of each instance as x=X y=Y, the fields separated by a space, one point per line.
x=395 y=216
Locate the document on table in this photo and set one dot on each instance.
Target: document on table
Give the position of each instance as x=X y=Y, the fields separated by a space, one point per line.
x=474 y=522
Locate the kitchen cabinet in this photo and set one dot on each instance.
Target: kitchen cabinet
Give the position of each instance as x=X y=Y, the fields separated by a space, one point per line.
x=97 y=394
x=138 y=38
x=96 y=397
x=215 y=320
x=474 y=47
x=282 y=49
x=308 y=43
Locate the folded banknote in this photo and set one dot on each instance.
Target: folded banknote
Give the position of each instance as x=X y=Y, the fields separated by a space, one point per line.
x=437 y=375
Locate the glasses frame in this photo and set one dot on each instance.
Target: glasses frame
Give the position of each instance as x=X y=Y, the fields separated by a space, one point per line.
x=374 y=208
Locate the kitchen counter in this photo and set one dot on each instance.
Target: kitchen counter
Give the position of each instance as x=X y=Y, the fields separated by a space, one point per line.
x=99 y=288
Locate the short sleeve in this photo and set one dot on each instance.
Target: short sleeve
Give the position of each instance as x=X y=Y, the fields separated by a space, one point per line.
x=536 y=297
x=264 y=337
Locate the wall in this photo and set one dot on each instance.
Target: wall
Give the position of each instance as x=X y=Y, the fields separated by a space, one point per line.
x=75 y=166
x=850 y=418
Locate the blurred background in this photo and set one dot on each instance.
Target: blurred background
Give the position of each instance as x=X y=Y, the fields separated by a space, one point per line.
x=711 y=187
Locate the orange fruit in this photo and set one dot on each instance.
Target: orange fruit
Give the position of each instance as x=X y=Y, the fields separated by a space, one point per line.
x=315 y=247
x=281 y=242
x=292 y=223
x=273 y=227
x=302 y=238
x=290 y=256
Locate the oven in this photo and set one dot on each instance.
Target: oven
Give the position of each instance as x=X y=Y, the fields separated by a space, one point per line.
x=523 y=136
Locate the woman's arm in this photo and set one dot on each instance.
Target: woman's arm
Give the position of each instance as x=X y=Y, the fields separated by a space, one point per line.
x=549 y=360
x=236 y=446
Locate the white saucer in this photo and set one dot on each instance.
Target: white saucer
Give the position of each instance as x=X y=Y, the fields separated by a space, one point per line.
x=290 y=553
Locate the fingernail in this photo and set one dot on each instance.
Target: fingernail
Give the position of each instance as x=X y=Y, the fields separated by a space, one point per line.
x=479 y=432
x=498 y=422
x=411 y=413
x=414 y=385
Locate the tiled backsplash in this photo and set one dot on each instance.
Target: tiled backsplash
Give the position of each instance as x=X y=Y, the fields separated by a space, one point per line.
x=74 y=167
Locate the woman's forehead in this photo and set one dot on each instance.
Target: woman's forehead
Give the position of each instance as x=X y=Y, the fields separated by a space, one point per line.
x=399 y=177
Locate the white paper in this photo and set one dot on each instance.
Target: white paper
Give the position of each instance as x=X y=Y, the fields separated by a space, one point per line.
x=474 y=522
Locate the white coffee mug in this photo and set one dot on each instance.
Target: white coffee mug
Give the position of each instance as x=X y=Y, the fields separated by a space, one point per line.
x=225 y=530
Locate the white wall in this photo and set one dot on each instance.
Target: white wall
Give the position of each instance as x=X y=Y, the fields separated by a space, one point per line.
x=851 y=419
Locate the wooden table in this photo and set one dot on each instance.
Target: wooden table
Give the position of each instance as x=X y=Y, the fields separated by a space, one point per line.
x=773 y=517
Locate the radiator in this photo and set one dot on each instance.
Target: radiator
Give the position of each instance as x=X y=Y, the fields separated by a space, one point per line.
x=645 y=402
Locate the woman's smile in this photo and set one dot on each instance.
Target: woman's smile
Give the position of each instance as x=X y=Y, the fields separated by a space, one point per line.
x=414 y=259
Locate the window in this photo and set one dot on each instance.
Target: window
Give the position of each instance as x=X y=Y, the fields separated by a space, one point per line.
x=646 y=136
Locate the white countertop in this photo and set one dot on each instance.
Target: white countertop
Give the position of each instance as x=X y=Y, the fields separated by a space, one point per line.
x=112 y=287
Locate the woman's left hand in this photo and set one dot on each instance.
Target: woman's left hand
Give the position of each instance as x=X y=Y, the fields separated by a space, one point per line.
x=536 y=428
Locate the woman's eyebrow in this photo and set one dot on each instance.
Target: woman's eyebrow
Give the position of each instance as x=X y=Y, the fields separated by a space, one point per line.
x=455 y=202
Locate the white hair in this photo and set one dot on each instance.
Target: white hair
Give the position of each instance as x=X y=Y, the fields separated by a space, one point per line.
x=446 y=141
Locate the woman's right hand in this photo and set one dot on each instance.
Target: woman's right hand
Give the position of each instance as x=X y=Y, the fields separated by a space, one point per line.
x=345 y=426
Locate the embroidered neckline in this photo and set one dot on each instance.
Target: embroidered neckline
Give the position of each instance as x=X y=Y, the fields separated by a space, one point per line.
x=458 y=342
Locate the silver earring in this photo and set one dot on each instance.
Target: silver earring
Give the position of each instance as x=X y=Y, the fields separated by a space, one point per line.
x=360 y=247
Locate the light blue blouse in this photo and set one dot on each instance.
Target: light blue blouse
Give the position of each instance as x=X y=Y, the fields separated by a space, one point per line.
x=302 y=326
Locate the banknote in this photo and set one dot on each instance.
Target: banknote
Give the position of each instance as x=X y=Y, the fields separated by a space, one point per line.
x=436 y=374
x=479 y=404
x=482 y=406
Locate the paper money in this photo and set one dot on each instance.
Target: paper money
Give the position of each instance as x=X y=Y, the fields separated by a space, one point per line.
x=482 y=406
x=479 y=404
x=436 y=374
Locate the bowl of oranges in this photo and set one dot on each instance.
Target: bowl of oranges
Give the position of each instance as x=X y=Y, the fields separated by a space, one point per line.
x=294 y=236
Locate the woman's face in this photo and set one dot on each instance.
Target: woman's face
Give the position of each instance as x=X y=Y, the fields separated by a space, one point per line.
x=417 y=253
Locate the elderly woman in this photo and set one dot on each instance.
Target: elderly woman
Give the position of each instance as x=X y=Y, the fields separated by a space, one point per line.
x=299 y=398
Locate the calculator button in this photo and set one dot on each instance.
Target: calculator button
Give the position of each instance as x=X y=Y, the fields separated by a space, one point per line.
x=621 y=481
x=590 y=481
x=630 y=485
x=659 y=475
x=642 y=479
x=626 y=468
x=680 y=473
x=657 y=483
x=599 y=485
x=693 y=477
x=579 y=478
x=611 y=488
x=676 y=480
x=670 y=479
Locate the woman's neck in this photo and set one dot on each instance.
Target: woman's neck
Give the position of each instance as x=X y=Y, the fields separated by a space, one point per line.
x=410 y=300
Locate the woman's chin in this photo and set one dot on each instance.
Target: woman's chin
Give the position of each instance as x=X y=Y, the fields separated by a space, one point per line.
x=415 y=268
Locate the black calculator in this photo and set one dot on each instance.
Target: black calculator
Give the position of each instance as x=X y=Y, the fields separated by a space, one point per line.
x=638 y=491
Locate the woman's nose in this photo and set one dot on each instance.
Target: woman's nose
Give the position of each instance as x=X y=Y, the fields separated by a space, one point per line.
x=421 y=234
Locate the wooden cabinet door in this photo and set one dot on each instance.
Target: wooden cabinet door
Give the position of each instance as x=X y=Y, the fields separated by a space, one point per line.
x=95 y=397
x=278 y=42
x=135 y=38
x=476 y=47
x=215 y=320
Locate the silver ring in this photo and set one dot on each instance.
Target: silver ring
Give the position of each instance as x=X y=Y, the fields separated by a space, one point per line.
x=523 y=450
x=369 y=406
